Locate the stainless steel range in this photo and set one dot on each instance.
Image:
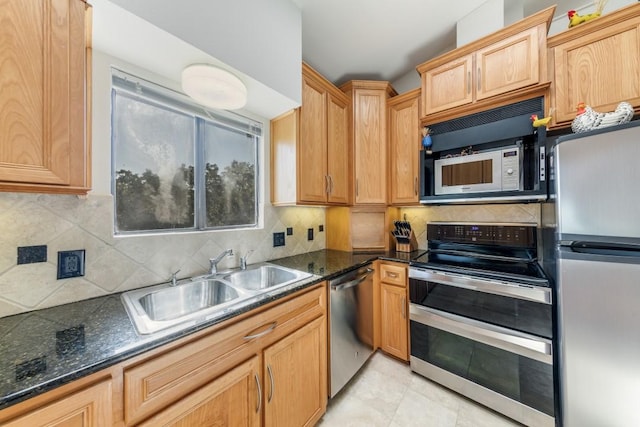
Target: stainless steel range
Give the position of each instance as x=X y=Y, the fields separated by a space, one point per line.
x=481 y=317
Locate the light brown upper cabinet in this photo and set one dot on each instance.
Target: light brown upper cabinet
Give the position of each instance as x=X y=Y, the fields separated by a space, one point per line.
x=404 y=148
x=44 y=96
x=597 y=63
x=368 y=118
x=310 y=153
x=504 y=67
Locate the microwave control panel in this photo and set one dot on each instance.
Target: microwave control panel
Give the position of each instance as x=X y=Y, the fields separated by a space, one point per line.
x=511 y=169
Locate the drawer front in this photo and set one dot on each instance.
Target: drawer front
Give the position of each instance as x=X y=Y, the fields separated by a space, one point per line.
x=161 y=380
x=393 y=274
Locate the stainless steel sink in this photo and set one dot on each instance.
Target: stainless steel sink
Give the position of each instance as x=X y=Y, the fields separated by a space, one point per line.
x=264 y=277
x=164 y=307
x=177 y=301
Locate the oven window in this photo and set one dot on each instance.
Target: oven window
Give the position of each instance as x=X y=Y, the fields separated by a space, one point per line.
x=509 y=312
x=480 y=172
x=525 y=380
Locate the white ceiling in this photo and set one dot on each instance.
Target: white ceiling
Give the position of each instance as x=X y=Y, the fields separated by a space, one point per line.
x=342 y=39
x=384 y=39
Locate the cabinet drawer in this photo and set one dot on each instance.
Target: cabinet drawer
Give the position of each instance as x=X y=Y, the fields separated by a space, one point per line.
x=156 y=382
x=87 y=407
x=393 y=274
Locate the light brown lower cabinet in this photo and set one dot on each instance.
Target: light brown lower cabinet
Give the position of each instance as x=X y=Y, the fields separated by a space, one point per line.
x=265 y=367
x=233 y=399
x=87 y=407
x=295 y=377
x=394 y=310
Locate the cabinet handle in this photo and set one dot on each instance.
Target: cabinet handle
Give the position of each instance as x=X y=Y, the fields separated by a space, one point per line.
x=272 y=385
x=391 y=274
x=468 y=81
x=404 y=307
x=271 y=327
x=330 y=184
x=357 y=187
x=328 y=187
x=415 y=185
x=479 y=78
x=259 y=392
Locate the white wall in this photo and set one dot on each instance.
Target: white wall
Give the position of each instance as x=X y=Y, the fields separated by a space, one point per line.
x=262 y=39
x=486 y=19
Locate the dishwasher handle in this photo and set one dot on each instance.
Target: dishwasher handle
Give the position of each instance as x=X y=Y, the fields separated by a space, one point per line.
x=352 y=283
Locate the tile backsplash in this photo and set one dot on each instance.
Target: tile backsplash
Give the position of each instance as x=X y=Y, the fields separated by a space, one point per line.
x=115 y=264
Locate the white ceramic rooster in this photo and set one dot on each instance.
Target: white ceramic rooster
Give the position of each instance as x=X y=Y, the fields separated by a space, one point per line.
x=587 y=119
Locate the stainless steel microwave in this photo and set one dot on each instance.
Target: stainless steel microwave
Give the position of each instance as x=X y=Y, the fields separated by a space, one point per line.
x=492 y=156
x=489 y=171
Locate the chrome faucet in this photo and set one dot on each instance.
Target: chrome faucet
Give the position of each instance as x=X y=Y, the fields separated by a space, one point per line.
x=174 y=278
x=213 y=262
x=243 y=260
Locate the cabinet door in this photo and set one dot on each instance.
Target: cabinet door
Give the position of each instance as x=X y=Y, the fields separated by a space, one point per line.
x=234 y=399
x=394 y=338
x=508 y=65
x=295 y=372
x=601 y=69
x=338 y=153
x=448 y=86
x=42 y=95
x=370 y=149
x=312 y=146
x=90 y=407
x=404 y=148
x=284 y=139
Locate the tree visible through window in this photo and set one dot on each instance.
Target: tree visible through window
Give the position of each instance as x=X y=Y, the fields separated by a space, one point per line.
x=176 y=170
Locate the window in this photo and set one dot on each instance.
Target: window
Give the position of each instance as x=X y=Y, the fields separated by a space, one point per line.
x=177 y=166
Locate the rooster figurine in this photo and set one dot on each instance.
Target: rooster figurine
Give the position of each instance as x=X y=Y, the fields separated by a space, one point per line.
x=575 y=19
x=587 y=119
x=540 y=122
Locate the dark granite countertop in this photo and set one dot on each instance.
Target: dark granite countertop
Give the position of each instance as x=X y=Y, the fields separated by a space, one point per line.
x=43 y=349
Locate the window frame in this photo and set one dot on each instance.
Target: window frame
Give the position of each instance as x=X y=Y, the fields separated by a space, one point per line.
x=146 y=91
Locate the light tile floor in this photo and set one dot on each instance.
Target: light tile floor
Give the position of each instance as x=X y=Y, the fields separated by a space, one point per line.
x=386 y=393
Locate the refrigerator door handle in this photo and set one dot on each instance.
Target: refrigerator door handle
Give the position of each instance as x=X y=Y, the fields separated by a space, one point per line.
x=599 y=254
x=586 y=246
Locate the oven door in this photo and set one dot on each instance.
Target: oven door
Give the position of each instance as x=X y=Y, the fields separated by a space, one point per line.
x=517 y=306
x=488 y=340
x=509 y=372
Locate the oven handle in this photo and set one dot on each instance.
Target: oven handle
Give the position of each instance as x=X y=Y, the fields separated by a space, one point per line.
x=510 y=289
x=481 y=255
x=515 y=342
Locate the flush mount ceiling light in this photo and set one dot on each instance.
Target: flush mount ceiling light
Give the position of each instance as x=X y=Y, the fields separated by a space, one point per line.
x=213 y=87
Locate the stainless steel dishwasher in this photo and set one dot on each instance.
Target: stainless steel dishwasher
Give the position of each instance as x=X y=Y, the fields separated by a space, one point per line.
x=351 y=324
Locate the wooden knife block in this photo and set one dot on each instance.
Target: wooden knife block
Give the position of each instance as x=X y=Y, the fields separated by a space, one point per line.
x=407 y=247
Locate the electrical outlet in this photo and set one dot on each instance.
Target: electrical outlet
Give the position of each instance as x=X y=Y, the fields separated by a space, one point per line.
x=70 y=264
x=278 y=239
x=289 y=231
x=321 y=228
x=310 y=234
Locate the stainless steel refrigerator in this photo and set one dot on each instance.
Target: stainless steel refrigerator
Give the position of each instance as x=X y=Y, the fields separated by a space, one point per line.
x=597 y=211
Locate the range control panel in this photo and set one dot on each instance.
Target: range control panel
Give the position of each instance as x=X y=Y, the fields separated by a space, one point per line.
x=523 y=236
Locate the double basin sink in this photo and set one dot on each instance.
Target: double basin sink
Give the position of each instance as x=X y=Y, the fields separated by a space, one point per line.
x=167 y=307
